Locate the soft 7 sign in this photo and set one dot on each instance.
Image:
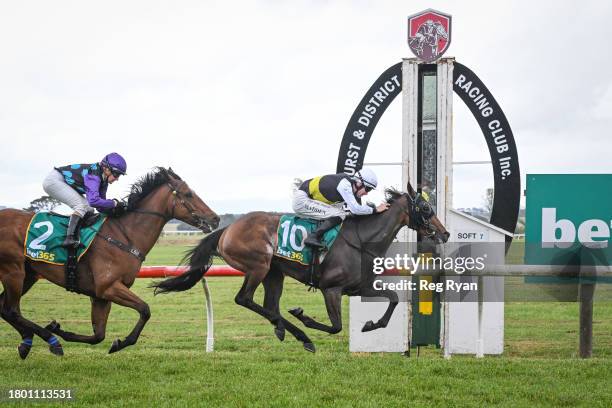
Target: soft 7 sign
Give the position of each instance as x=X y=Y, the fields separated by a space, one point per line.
x=569 y=219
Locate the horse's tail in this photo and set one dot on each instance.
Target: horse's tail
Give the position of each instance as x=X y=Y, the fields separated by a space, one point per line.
x=200 y=260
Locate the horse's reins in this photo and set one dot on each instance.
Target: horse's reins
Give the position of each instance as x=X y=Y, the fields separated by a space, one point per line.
x=135 y=251
x=355 y=246
x=177 y=194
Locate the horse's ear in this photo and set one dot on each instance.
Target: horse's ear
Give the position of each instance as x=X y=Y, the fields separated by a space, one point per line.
x=173 y=174
x=410 y=189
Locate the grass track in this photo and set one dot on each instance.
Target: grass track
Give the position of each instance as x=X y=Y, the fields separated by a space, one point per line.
x=250 y=367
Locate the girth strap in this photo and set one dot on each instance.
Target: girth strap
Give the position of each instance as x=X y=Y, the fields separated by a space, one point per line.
x=71 y=275
x=124 y=247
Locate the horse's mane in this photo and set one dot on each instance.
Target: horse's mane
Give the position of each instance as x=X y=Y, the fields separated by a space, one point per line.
x=392 y=194
x=147 y=183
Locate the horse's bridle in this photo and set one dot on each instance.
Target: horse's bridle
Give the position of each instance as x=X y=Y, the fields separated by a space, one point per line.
x=417 y=219
x=177 y=196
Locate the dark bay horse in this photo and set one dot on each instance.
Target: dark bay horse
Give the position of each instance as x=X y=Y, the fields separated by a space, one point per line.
x=248 y=245
x=106 y=271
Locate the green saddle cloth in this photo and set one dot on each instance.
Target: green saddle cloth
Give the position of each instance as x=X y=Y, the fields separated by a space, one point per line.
x=292 y=231
x=46 y=233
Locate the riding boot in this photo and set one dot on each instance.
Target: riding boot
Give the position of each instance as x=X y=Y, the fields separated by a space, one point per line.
x=314 y=239
x=72 y=234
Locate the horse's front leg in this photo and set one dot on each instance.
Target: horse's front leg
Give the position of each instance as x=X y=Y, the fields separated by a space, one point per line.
x=333 y=303
x=100 y=308
x=369 y=291
x=120 y=294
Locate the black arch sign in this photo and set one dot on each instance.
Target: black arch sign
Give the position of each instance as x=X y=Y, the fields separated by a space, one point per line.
x=486 y=111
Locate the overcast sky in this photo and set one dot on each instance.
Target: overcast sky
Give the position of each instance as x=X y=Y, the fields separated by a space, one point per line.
x=240 y=97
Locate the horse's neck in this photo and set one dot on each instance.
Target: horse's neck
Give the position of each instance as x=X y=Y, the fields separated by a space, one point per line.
x=144 y=229
x=380 y=229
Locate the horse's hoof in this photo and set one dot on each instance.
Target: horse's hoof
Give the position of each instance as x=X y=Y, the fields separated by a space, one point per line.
x=297 y=312
x=369 y=326
x=115 y=347
x=24 y=350
x=280 y=333
x=309 y=347
x=53 y=327
x=57 y=350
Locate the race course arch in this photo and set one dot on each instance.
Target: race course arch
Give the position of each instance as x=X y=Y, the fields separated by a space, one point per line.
x=486 y=111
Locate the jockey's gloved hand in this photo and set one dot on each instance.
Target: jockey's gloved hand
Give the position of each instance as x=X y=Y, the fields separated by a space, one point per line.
x=382 y=207
x=120 y=207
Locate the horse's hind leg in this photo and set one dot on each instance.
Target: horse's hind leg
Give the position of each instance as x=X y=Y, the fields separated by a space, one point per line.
x=26 y=334
x=120 y=294
x=273 y=289
x=14 y=284
x=100 y=308
x=333 y=303
x=245 y=298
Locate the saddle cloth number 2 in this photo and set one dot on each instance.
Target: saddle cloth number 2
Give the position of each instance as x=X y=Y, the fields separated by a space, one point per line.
x=38 y=242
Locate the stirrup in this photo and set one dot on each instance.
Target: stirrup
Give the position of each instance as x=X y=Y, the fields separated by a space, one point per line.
x=71 y=242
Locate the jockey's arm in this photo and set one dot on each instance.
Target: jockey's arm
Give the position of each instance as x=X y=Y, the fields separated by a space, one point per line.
x=94 y=198
x=345 y=188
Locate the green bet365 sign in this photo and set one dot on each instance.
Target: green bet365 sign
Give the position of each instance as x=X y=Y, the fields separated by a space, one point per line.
x=569 y=219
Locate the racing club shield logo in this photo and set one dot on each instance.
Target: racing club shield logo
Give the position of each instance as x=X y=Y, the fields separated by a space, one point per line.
x=429 y=34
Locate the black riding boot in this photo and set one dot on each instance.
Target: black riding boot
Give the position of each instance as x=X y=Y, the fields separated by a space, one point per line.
x=72 y=235
x=314 y=239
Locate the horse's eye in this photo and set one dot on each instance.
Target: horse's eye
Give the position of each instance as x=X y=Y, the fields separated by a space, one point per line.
x=189 y=195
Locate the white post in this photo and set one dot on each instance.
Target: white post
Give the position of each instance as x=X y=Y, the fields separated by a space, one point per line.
x=210 y=336
x=444 y=126
x=480 y=338
x=444 y=166
x=410 y=129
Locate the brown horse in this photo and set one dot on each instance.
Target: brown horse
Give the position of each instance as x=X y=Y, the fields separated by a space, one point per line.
x=248 y=245
x=108 y=269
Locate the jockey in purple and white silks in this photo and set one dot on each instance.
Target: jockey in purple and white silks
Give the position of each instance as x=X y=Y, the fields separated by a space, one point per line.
x=69 y=183
x=331 y=197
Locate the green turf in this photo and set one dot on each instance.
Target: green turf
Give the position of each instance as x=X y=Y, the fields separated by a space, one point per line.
x=250 y=367
x=516 y=254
